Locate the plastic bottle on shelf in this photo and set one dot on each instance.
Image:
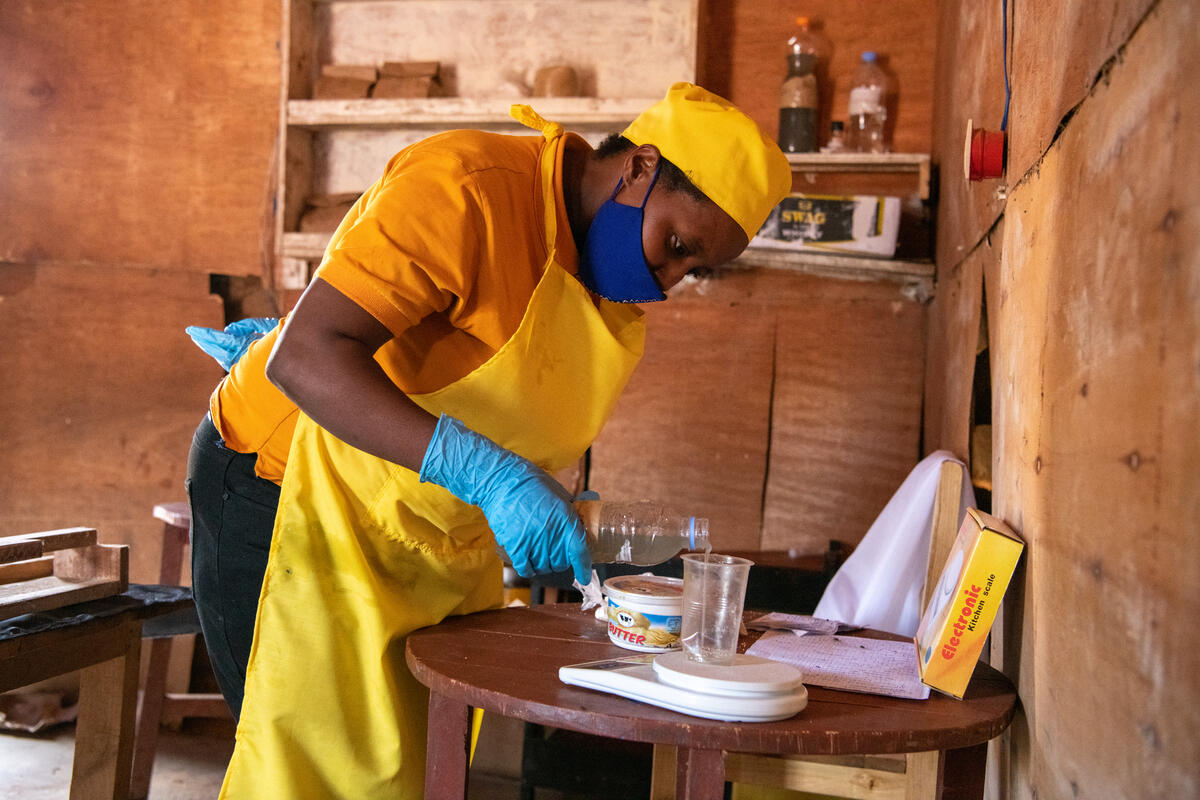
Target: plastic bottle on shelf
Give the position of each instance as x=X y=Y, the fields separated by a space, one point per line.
x=800 y=93
x=868 y=107
x=837 y=138
x=642 y=533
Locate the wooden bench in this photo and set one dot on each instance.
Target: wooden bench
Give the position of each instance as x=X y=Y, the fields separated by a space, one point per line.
x=102 y=639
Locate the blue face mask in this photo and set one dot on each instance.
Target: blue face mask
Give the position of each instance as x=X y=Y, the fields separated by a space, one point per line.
x=612 y=263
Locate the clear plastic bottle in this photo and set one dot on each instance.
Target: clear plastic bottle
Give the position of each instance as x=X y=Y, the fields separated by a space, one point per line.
x=642 y=533
x=800 y=93
x=837 y=138
x=868 y=107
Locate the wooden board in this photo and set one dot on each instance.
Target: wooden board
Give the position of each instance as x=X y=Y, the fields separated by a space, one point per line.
x=48 y=542
x=100 y=431
x=22 y=558
x=846 y=411
x=1094 y=317
x=692 y=428
x=970 y=86
x=124 y=146
x=954 y=324
x=784 y=407
x=26 y=567
x=1058 y=51
x=79 y=574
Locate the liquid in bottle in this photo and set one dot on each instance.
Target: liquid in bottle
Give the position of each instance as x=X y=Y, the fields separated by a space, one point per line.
x=642 y=533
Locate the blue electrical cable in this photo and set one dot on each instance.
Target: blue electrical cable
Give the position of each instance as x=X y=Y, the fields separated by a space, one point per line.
x=1007 y=90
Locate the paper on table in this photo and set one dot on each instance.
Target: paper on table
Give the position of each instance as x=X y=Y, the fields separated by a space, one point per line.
x=799 y=623
x=851 y=663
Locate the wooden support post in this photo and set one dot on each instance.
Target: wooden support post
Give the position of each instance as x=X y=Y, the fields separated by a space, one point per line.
x=662 y=774
x=104 y=729
x=921 y=775
x=449 y=742
x=149 y=716
x=962 y=773
x=699 y=774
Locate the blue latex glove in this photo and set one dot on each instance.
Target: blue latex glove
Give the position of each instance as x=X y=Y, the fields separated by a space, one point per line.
x=529 y=512
x=229 y=345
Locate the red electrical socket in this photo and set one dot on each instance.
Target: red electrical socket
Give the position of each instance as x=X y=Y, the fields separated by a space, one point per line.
x=983 y=154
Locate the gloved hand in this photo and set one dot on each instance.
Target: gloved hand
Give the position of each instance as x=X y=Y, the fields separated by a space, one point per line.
x=529 y=512
x=229 y=345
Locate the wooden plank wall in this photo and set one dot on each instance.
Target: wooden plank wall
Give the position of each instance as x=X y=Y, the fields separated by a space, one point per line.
x=138 y=134
x=1092 y=278
x=784 y=407
x=102 y=394
x=137 y=150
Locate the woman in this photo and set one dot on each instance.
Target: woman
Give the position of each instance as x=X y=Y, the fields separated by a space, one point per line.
x=468 y=331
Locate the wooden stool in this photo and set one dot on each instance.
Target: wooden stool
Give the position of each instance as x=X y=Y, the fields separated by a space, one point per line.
x=156 y=703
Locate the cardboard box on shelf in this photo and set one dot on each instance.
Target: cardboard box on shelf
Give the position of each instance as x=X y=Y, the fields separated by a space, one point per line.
x=849 y=224
x=963 y=604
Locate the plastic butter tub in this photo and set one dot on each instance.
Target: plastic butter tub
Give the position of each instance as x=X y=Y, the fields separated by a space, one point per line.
x=644 y=612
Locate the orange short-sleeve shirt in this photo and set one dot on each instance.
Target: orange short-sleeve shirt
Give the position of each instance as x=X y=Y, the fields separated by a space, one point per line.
x=445 y=250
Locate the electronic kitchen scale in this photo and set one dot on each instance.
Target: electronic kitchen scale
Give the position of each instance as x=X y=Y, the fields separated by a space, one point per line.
x=751 y=689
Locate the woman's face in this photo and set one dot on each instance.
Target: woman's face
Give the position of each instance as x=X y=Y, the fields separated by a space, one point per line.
x=680 y=232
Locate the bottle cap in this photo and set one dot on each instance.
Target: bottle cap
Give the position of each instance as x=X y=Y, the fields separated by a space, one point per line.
x=868 y=55
x=802 y=22
x=837 y=125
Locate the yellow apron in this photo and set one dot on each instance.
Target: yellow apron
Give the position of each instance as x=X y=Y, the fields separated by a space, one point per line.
x=363 y=553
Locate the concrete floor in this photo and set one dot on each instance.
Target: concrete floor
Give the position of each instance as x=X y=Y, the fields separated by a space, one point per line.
x=189 y=766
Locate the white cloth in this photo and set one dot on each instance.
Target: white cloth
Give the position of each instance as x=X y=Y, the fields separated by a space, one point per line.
x=879 y=585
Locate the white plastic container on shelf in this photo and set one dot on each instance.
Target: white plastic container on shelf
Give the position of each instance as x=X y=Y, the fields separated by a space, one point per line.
x=868 y=107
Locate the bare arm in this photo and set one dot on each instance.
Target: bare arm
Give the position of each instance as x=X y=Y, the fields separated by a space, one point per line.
x=324 y=363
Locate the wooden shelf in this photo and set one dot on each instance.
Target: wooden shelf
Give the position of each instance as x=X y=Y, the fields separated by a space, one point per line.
x=780 y=258
x=858 y=162
x=460 y=111
x=916 y=276
x=914 y=163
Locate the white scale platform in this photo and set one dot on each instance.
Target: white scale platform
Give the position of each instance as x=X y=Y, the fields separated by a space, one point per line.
x=751 y=689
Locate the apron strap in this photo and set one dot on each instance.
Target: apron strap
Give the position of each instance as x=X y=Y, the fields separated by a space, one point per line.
x=531 y=119
x=550 y=131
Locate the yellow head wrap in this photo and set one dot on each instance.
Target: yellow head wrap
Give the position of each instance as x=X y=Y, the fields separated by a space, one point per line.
x=721 y=150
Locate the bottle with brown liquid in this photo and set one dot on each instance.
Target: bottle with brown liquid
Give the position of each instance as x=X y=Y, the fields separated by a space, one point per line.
x=799 y=95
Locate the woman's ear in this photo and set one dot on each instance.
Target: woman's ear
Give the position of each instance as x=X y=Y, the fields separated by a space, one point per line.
x=640 y=165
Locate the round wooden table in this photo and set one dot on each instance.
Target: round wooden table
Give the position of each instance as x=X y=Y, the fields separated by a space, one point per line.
x=506 y=662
